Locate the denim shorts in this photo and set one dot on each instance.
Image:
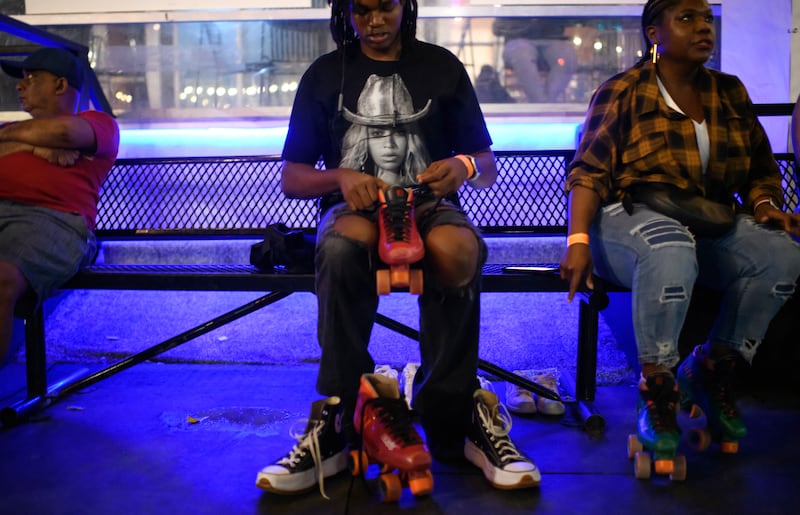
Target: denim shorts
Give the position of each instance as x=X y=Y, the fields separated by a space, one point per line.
x=48 y=246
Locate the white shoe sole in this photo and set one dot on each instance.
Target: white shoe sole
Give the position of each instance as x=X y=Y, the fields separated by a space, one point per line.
x=502 y=479
x=299 y=482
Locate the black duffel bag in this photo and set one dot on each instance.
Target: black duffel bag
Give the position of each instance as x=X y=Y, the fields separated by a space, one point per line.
x=291 y=250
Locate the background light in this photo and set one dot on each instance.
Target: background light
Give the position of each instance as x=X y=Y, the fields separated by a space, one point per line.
x=267 y=141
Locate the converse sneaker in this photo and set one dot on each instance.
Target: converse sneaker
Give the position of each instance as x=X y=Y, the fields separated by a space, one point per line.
x=548 y=379
x=490 y=448
x=524 y=402
x=407 y=381
x=518 y=399
x=320 y=452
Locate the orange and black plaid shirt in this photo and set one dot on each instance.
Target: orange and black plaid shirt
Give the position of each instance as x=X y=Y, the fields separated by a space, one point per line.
x=631 y=136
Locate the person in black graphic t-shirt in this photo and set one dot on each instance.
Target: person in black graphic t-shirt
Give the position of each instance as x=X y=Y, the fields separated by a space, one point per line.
x=388 y=109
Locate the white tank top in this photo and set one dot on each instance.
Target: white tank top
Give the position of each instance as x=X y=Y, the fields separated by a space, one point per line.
x=700 y=129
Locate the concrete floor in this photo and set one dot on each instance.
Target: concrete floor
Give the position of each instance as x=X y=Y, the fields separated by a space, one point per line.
x=125 y=445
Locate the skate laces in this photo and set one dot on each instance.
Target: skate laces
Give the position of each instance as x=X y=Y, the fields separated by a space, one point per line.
x=397 y=216
x=307 y=441
x=395 y=417
x=661 y=400
x=497 y=422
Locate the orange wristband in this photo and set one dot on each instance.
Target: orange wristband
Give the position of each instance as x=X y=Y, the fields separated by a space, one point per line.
x=578 y=237
x=464 y=159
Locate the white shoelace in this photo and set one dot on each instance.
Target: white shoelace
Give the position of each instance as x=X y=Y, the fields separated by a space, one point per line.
x=485 y=383
x=502 y=443
x=308 y=441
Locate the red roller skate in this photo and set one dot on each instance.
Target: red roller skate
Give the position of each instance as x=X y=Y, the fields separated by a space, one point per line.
x=383 y=420
x=399 y=243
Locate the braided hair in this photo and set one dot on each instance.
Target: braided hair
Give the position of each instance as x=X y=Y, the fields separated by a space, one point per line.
x=651 y=15
x=344 y=35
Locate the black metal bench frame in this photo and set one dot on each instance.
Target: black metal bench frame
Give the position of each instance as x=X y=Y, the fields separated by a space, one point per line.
x=280 y=285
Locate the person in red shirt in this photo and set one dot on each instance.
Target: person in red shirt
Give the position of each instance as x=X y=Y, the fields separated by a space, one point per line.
x=51 y=169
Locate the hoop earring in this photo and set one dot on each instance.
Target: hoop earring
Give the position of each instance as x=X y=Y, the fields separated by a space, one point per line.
x=654 y=53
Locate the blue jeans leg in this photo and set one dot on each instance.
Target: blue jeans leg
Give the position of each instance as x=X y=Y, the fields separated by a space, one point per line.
x=654 y=256
x=756 y=267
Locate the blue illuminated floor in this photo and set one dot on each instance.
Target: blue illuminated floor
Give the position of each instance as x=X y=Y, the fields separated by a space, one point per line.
x=126 y=446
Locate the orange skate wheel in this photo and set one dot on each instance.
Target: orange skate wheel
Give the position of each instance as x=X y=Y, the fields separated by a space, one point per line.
x=695 y=412
x=730 y=447
x=391 y=487
x=399 y=276
x=699 y=438
x=641 y=465
x=415 y=282
x=678 y=469
x=664 y=467
x=634 y=446
x=420 y=482
x=383 y=281
x=357 y=462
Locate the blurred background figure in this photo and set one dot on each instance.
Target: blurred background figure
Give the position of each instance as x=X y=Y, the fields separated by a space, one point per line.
x=488 y=87
x=542 y=57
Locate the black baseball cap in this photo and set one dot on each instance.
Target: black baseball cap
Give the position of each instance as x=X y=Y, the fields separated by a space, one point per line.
x=58 y=61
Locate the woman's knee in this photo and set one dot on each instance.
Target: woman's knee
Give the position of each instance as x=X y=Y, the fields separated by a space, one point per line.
x=783 y=272
x=453 y=254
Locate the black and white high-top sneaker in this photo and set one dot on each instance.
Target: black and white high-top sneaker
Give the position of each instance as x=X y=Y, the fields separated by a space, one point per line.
x=490 y=448
x=321 y=451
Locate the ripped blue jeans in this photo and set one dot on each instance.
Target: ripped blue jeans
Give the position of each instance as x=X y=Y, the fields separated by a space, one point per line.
x=754 y=266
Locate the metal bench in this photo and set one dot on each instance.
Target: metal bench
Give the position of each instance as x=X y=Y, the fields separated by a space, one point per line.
x=235 y=197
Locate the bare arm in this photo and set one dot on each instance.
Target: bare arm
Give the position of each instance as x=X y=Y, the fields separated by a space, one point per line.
x=488 y=167
x=57 y=156
x=9 y=147
x=447 y=175
x=576 y=264
x=766 y=213
x=64 y=132
x=300 y=180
